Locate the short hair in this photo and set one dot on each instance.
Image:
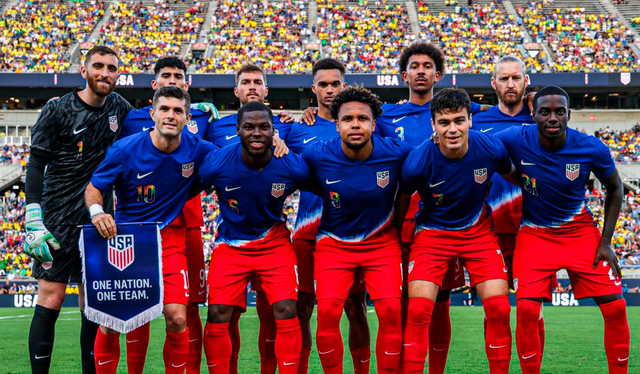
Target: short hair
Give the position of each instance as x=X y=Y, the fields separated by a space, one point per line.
x=550 y=90
x=422 y=48
x=356 y=93
x=505 y=59
x=169 y=62
x=101 y=50
x=254 y=106
x=327 y=64
x=175 y=92
x=250 y=68
x=450 y=100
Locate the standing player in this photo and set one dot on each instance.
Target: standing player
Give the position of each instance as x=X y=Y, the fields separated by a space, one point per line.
x=558 y=231
x=69 y=139
x=358 y=181
x=171 y=71
x=328 y=81
x=153 y=162
x=455 y=221
x=253 y=239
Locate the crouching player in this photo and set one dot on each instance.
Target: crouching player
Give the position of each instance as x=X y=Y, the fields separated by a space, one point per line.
x=454 y=220
x=253 y=239
x=357 y=179
x=153 y=173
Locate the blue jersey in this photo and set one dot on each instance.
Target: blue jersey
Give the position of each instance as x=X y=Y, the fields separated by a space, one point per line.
x=250 y=200
x=224 y=131
x=310 y=205
x=452 y=192
x=409 y=122
x=553 y=182
x=151 y=185
x=504 y=198
x=358 y=196
x=139 y=120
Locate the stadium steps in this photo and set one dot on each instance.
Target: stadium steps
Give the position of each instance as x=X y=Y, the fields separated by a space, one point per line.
x=629 y=10
x=9 y=174
x=206 y=26
x=312 y=16
x=95 y=35
x=413 y=17
x=508 y=6
x=7 y=4
x=623 y=18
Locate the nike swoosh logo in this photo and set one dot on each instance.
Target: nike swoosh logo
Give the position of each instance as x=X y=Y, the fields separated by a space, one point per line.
x=398 y=119
x=231 y=189
x=178 y=366
x=100 y=363
x=144 y=175
x=324 y=353
x=76 y=132
x=434 y=185
x=528 y=357
x=617 y=283
x=201 y=292
x=332 y=182
x=305 y=141
x=194 y=340
x=456 y=278
x=145 y=128
x=132 y=341
x=229 y=137
x=485 y=130
x=496 y=347
x=526 y=163
x=270 y=341
x=364 y=361
x=391 y=353
x=212 y=365
x=289 y=363
x=41 y=357
x=623 y=359
x=440 y=349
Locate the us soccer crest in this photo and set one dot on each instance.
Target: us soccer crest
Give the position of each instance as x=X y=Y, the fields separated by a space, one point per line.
x=572 y=171
x=277 y=190
x=480 y=175
x=187 y=170
x=121 y=251
x=113 y=123
x=625 y=78
x=192 y=126
x=382 y=177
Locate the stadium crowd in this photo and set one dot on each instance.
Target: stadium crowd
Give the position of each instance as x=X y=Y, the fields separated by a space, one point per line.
x=14 y=155
x=624 y=145
x=14 y=263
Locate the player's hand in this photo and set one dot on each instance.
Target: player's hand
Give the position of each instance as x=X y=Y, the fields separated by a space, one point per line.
x=53 y=98
x=38 y=239
x=605 y=253
x=281 y=148
x=286 y=117
x=207 y=108
x=105 y=224
x=402 y=102
x=309 y=116
x=434 y=138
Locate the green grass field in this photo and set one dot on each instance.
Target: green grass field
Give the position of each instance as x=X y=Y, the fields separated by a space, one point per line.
x=574 y=342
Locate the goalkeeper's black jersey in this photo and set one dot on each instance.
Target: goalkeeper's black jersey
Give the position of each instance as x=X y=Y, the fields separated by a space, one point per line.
x=73 y=137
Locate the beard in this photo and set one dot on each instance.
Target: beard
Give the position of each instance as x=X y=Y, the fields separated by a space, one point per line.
x=100 y=90
x=356 y=146
x=511 y=100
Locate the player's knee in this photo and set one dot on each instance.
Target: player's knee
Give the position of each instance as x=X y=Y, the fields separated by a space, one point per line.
x=355 y=307
x=51 y=298
x=219 y=313
x=176 y=321
x=416 y=313
x=285 y=309
x=329 y=312
x=388 y=309
x=499 y=309
x=305 y=306
x=528 y=311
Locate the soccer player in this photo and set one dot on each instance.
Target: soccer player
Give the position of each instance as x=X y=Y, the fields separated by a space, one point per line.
x=328 y=81
x=357 y=179
x=558 y=231
x=154 y=162
x=171 y=71
x=69 y=139
x=253 y=239
x=454 y=220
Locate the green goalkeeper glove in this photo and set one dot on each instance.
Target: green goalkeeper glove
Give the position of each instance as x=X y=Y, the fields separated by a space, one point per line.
x=38 y=237
x=207 y=108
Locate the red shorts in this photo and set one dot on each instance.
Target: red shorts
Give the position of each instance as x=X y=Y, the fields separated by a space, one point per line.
x=271 y=259
x=541 y=252
x=507 y=243
x=174 y=262
x=192 y=211
x=378 y=259
x=476 y=247
x=195 y=264
x=454 y=277
x=409 y=225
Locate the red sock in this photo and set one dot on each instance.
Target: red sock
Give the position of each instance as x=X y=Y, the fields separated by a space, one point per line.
x=234 y=335
x=404 y=303
x=176 y=352
x=106 y=352
x=137 y=347
x=541 y=332
x=194 y=323
x=528 y=336
x=389 y=341
x=303 y=368
x=416 y=334
x=266 y=335
x=616 y=335
x=288 y=345
x=217 y=347
x=328 y=337
x=498 y=336
x=361 y=359
x=439 y=337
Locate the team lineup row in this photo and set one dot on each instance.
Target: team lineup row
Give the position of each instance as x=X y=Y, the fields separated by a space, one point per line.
x=358 y=163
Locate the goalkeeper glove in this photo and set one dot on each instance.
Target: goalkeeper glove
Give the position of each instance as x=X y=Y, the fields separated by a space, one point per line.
x=38 y=237
x=207 y=108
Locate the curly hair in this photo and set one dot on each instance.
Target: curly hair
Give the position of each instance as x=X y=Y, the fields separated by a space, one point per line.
x=450 y=100
x=422 y=48
x=356 y=93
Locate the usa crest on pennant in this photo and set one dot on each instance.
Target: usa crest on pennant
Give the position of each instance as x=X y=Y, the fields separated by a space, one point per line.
x=192 y=126
x=187 y=170
x=113 y=123
x=480 y=175
x=572 y=171
x=121 y=251
x=277 y=189
x=382 y=178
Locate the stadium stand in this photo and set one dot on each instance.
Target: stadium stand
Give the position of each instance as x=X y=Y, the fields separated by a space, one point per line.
x=624 y=145
x=14 y=263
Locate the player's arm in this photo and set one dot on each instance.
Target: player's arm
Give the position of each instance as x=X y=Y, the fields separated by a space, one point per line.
x=281 y=148
x=105 y=224
x=401 y=207
x=612 y=205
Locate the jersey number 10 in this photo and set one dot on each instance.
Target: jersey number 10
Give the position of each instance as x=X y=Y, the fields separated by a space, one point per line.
x=147 y=193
